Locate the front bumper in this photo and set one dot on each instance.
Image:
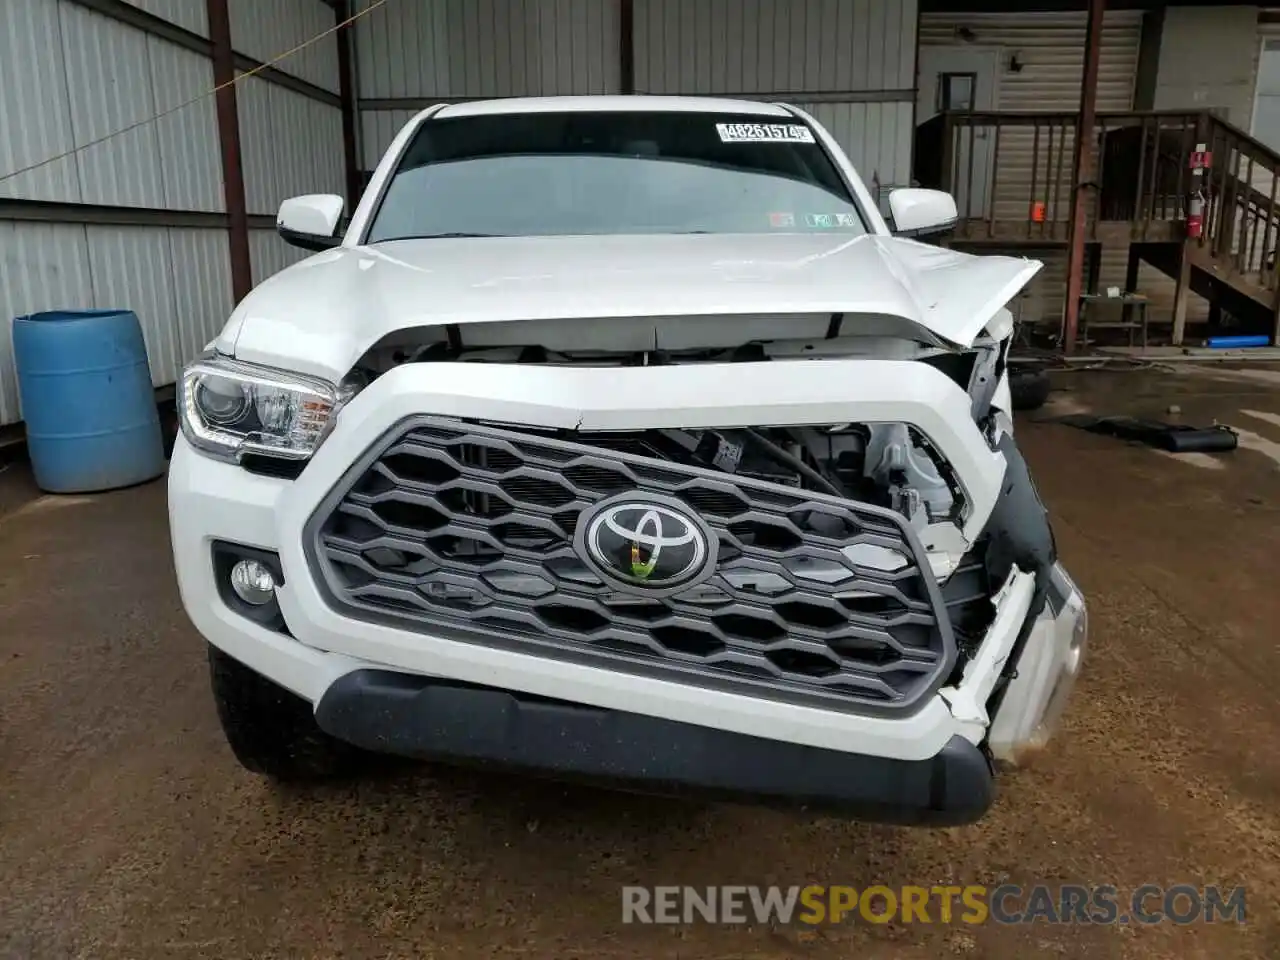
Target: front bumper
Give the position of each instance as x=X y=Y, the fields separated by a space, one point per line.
x=323 y=650
x=422 y=717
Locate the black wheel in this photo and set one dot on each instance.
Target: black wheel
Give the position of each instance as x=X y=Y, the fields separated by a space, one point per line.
x=1029 y=388
x=272 y=731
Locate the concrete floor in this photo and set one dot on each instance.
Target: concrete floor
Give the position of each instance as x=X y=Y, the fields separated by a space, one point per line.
x=127 y=830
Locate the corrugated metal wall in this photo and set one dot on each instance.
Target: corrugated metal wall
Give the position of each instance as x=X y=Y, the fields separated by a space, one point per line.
x=1222 y=43
x=280 y=133
x=854 y=58
x=1050 y=48
x=35 y=119
x=70 y=75
x=859 y=56
x=476 y=49
x=263 y=29
x=877 y=137
x=44 y=266
x=489 y=48
x=191 y=15
x=774 y=46
x=290 y=145
x=187 y=140
x=137 y=267
x=377 y=129
x=270 y=254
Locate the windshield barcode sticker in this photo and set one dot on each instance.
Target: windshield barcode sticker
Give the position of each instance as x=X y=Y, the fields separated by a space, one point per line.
x=764 y=133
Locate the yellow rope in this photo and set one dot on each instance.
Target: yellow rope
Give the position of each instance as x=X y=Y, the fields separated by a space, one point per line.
x=204 y=96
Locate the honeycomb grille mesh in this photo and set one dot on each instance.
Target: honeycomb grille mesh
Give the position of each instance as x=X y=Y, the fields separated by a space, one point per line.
x=466 y=531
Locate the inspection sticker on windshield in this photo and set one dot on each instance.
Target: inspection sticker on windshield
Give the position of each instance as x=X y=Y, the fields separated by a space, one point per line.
x=764 y=133
x=825 y=221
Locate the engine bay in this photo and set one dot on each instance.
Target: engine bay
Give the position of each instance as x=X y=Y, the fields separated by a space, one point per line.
x=892 y=465
x=886 y=464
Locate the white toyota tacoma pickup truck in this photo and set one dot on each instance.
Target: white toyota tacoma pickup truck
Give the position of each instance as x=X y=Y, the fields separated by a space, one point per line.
x=622 y=438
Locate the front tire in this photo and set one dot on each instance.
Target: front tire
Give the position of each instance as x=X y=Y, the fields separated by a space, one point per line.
x=1029 y=388
x=271 y=731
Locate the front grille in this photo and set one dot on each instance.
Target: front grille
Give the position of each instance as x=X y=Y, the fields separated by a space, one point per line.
x=466 y=531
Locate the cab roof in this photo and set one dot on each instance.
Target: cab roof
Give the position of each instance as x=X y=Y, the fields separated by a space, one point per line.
x=614 y=104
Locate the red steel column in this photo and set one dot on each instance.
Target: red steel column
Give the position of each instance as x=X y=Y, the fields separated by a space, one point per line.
x=347 y=93
x=1081 y=171
x=224 y=72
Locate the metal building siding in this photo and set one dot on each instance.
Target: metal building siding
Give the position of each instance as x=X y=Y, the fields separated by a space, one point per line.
x=784 y=49
x=1051 y=48
x=190 y=158
x=377 y=129
x=45 y=266
x=201 y=289
x=259 y=157
x=489 y=48
x=132 y=268
x=291 y=145
x=109 y=86
x=264 y=29
x=191 y=15
x=876 y=136
x=774 y=46
x=270 y=254
x=35 y=121
x=69 y=76
x=1268 y=29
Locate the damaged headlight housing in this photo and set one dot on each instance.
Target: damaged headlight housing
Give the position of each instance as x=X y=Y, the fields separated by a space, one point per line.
x=229 y=409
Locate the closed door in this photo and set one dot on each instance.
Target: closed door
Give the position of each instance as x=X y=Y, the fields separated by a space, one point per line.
x=962 y=79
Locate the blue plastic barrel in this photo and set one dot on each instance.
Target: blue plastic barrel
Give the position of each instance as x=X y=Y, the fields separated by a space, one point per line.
x=87 y=400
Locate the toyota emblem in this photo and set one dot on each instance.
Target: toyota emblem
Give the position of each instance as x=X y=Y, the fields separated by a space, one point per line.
x=648 y=542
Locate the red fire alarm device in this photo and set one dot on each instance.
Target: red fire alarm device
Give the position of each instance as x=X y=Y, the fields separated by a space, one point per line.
x=1201 y=159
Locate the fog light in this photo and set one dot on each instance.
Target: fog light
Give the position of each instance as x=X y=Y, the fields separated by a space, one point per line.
x=253 y=582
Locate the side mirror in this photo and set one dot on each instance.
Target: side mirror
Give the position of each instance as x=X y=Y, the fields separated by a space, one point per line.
x=918 y=212
x=310 y=222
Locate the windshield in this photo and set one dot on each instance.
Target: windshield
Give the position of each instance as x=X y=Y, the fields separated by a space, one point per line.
x=561 y=174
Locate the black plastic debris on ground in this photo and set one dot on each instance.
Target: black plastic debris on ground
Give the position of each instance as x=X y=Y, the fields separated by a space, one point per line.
x=1176 y=438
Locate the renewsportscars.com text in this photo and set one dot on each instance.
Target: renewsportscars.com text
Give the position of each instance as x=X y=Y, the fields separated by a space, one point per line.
x=973 y=904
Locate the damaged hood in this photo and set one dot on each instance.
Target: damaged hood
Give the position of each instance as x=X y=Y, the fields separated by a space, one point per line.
x=320 y=315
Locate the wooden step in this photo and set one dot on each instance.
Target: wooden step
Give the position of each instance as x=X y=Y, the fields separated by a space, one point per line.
x=1222 y=271
x=1215 y=280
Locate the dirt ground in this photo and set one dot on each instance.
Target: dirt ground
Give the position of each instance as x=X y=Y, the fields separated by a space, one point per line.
x=127 y=829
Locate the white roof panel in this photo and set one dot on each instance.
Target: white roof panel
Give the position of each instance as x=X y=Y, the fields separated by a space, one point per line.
x=612 y=104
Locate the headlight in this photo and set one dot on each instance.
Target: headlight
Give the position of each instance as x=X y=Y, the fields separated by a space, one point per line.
x=229 y=409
